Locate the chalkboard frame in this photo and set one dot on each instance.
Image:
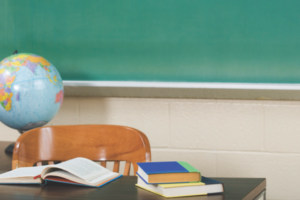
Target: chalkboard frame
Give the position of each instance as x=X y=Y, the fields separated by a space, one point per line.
x=184 y=90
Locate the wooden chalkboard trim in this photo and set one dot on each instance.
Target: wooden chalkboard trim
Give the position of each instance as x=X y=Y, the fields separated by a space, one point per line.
x=252 y=91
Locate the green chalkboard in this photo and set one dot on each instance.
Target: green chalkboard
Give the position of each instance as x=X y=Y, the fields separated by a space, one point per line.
x=250 y=41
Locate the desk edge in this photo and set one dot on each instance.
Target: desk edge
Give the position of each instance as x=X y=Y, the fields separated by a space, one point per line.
x=256 y=191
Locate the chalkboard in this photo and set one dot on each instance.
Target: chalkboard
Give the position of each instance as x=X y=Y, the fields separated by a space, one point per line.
x=248 y=41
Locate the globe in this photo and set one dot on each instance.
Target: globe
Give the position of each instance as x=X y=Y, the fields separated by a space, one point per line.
x=31 y=91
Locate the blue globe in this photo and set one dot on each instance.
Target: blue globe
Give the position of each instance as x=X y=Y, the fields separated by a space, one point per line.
x=31 y=91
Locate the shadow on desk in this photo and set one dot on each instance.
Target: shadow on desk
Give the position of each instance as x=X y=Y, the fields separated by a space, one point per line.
x=51 y=190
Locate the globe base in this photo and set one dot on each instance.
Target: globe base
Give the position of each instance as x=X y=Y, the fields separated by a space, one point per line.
x=10 y=148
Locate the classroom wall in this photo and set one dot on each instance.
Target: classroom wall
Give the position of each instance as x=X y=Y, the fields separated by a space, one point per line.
x=221 y=138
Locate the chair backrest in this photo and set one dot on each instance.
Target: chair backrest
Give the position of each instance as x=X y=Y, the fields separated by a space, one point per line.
x=95 y=142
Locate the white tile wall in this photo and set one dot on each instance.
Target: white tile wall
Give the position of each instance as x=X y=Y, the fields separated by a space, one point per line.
x=282 y=128
x=228 y=138
x=217 y=125
x=67 y=114
x=8 y=134
x=92 y=110
x=281 y=171
x=145 y=115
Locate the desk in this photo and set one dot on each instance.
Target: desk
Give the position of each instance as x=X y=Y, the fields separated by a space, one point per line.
x=121 y=189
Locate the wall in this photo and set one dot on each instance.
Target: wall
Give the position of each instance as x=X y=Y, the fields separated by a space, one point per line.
x=222 y=138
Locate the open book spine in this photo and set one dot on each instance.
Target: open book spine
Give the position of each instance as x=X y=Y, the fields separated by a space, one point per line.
x=62 y=180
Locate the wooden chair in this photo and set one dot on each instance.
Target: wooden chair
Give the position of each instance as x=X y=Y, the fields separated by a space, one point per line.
x=95 y=142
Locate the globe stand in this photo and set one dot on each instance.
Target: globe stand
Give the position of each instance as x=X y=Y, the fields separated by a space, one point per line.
x=10 y=148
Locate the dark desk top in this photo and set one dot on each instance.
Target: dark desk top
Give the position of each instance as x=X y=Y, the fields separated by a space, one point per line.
x=120 y=189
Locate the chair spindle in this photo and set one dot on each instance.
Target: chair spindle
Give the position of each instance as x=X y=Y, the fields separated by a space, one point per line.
x=127 y=168
x=116 y=166
x=103 y=163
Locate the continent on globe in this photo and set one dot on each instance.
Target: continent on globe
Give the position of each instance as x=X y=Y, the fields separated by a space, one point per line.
x=59 y=97
x=28 y=60
x=5 y=84
x=31 y=91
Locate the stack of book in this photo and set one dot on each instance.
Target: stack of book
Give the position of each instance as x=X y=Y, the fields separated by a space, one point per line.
x=175 y=179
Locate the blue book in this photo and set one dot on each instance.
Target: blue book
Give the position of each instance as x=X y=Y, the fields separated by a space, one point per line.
x=168 y=172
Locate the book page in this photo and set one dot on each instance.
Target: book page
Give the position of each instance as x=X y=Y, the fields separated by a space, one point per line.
x=104 y=177
x=24 y=172
x=83 y=168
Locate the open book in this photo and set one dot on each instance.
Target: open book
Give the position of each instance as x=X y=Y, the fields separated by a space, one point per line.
x=79 y=171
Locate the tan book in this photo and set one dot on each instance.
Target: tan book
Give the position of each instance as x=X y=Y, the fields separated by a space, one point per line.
x=206 y=186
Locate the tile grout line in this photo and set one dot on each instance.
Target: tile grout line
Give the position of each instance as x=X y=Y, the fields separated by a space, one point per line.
x=169 y=123
x=224 y=151
x=78 y=110
x=264 y=128
x=216 y=160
